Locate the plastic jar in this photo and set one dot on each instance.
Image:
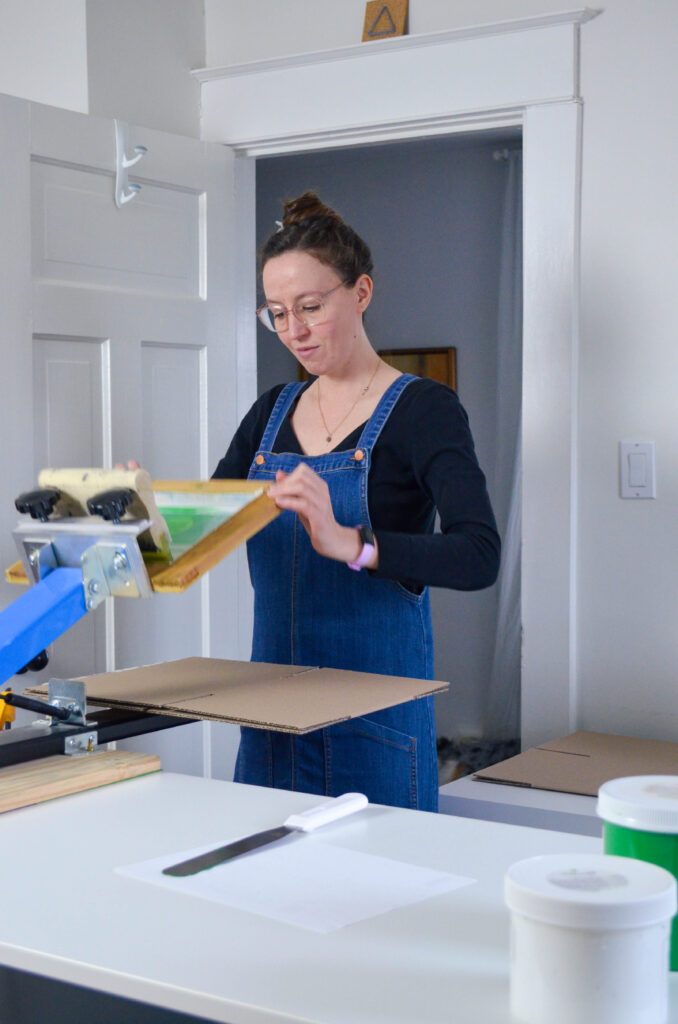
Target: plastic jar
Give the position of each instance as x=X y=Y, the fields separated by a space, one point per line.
x=589 y=939
x=640 y=819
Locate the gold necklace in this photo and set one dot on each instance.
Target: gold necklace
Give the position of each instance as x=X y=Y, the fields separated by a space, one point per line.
x=363 y=391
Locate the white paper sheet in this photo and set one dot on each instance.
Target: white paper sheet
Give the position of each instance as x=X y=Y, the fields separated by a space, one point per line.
x=304 y=882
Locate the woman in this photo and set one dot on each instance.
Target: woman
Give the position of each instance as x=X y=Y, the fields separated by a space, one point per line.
x=360 y=459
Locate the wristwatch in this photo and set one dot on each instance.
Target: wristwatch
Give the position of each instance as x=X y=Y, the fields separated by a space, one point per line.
x=368 y=548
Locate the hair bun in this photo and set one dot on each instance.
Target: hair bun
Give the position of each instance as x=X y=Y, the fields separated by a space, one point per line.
x=306 y=205
x=310 y=226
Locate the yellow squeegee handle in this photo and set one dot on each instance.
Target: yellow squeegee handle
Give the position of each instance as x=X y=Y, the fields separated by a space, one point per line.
x=7 y=712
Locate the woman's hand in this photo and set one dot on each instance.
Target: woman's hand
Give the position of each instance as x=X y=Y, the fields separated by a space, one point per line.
x=131 y=464
x=307 y=494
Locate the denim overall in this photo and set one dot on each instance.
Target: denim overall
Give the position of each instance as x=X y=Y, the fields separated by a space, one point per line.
x=312 y=610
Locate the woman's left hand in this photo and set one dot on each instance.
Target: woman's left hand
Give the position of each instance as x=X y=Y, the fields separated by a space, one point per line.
x=307 y=494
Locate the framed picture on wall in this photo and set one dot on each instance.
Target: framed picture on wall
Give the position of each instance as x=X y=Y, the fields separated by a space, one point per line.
x=437 y=363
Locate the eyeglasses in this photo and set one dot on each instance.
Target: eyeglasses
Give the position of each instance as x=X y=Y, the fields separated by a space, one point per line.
x=309 y=310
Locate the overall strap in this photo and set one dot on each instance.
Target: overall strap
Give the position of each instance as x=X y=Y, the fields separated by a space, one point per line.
x=284 y=403
x=374 y=425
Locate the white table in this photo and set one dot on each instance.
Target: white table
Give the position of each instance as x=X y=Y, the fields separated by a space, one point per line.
x=521 y=805
x=442 y=960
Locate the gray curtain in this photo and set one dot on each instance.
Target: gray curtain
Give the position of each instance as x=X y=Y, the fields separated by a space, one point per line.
x=502 y=719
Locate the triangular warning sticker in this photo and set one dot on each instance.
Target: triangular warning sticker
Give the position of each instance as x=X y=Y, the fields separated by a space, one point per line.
x=383 y=24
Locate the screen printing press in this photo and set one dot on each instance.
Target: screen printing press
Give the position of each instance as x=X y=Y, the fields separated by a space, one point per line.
x=89 y=534
x=140 y=538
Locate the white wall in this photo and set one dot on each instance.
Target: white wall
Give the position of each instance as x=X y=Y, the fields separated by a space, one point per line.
x=129 y=59
x=140 y=53
x=627 y=592
x=628 y=578
x=239 y=32
x=43 y=51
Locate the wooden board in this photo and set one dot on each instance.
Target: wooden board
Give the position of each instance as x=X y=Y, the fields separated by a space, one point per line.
x=16 y=574
x=217 y=486
x=47 y=778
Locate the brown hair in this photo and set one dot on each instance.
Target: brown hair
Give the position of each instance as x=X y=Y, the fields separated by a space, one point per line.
x=310 y=226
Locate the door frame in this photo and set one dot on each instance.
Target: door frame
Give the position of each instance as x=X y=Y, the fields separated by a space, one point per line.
x=532 y=81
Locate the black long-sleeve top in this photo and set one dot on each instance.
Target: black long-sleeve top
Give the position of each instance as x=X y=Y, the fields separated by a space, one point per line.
x=423 y=460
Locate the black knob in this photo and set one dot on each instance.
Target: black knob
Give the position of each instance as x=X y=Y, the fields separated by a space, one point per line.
x=111 y=505
x=36 y=665
x=38 y=504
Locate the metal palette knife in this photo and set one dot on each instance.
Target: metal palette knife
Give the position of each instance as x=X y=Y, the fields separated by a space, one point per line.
x=307 y=821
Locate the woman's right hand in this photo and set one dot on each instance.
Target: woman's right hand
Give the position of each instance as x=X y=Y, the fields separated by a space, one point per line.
x=304 y=492
x=131 y=464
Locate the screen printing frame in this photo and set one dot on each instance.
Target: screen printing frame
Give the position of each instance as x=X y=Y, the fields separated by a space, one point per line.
x=176 y=576
x=209 y=551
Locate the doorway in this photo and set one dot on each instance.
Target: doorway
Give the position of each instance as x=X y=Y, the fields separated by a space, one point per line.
x=431 y=212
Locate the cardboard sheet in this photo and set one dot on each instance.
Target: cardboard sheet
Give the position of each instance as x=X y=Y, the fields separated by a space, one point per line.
x=288 y=698
x=582 y=762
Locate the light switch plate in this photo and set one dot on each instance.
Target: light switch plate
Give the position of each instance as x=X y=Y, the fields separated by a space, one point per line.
x=637 y=469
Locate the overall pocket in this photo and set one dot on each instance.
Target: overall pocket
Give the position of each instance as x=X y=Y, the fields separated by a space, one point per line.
x=365 y=757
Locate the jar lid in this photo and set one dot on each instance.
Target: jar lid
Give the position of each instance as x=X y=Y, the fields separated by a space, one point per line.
x=645 y=802
x=592 y=891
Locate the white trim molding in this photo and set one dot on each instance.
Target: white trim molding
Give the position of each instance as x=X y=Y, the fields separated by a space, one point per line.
x=387 y=88
x=393 y=44
x=523 y=73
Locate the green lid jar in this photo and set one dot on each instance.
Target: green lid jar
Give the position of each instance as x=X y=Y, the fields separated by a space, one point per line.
x=640 y=820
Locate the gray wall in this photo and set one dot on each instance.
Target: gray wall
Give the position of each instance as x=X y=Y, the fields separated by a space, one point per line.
x=430 y=212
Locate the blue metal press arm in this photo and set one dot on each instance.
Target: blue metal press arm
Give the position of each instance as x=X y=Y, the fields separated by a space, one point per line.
x=38 y=617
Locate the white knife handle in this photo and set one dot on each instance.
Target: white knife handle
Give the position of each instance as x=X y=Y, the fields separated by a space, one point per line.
x=323 y=814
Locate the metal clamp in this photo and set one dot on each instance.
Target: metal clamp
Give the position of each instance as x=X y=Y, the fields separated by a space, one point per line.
x=69 y=695
x=83 y=743
x=39 y=554
x=107 y=553
x=116 y=569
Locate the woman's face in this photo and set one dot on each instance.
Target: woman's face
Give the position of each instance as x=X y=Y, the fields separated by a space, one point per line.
x=329 y=345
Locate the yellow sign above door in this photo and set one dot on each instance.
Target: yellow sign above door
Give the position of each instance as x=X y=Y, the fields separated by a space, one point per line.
x=384 y=19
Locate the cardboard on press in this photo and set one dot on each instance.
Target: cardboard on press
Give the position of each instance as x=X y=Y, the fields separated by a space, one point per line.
x=288 y=698
x=582 y=762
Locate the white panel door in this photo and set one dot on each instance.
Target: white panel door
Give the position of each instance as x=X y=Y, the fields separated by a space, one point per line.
x=123 y=347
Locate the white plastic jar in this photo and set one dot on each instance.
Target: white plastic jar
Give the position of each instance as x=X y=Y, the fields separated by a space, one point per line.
x=589 y=939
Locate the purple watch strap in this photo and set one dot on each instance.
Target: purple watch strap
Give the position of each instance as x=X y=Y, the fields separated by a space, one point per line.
x=363 y=558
